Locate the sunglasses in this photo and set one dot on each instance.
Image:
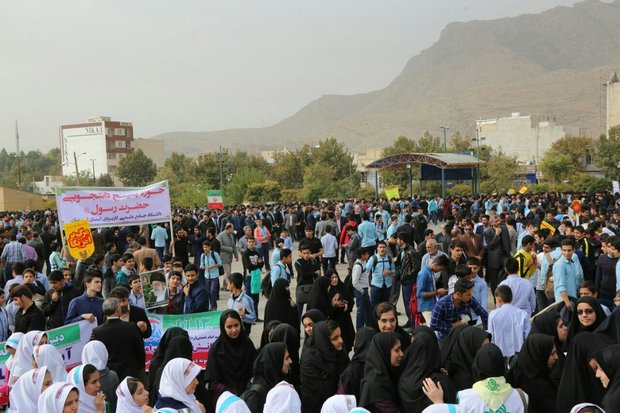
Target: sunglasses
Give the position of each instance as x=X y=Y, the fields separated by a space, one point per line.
x=586 y=311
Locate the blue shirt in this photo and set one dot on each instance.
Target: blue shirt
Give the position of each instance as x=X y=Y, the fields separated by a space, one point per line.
x=275 y=256
x=426 y=284
x=159 y=235
x=368 y=233
x=246 y=303
x=445 y=314
x=567 y=276
x=481 y=294
x=523 y=294
x=279 y=271
x=137 y=300
x=382 y=264
x=84 y=305
x=209 y=259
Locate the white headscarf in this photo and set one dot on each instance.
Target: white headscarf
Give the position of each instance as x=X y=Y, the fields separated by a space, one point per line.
x=441 y=408
x=95 y=353
x=47 y=355
x=177 y=375
x=126 y=403
x=579 y=407
x=23 y=356
x=229 y=403
x=24 y=395
x=12 y=342
x=53 y=398
x=87 y=402
x=340 y=403
x=359 y=410
x=283 y=398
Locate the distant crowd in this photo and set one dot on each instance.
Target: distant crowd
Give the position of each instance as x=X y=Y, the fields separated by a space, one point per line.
x=510 y=305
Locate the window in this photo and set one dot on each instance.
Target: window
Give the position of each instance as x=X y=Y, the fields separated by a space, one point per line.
x=119 y=131
x=108 y=132
x=111 y=156
x=121 y=155
x=128 y=145
x=119 y=144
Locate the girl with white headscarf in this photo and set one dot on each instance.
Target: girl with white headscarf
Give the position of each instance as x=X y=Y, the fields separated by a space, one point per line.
x=177 y=386
x=132 y=397
x=340 y=403
x=59 y=398
x=283 y=398
x=23 y=356
x=96 y=353
x=25 y=393
x=86 y=378
x=10 y=346
x=441 y=408
x=229 y=403
x=47 y=355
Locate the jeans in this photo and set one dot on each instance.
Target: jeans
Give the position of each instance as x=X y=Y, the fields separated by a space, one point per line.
x=263 y=251
x=160 y=252
x=212 y=285
x=407 y=290
x=362 y=302
x=328 y=263
x=434 y=217
x=541 y=300
x=378 y=295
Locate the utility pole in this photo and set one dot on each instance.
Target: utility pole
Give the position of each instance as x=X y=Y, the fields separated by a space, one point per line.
x=93 y=162
x=219 y=158
x=19 y=157
x=77 y=171
x=445 y=142
x=443 y=171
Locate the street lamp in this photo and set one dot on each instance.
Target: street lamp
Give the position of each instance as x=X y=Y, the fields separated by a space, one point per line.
x=477 y=139
x=77 y=171
x=410 y=181
x=443 y=171
x=93 y=162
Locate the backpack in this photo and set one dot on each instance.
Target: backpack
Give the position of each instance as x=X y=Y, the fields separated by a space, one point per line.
x=549 y=277
x=348 y=280
x=220 y=268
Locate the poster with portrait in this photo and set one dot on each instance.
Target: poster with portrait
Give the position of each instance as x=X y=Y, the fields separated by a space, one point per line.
x=154 y=288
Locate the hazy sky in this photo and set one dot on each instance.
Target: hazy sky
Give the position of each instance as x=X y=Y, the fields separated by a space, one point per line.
x=206 y=65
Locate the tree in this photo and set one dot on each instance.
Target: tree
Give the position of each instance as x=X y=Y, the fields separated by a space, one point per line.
x=498 y=173
x=429 y=144
x=268 y=191
x=320 y=181
x=204 y=169
x=288 y=167
x=557 y=167
x=236 y=190
x=575 y=147
x=607 y=153
x=402 y=144
x=460 y=143
x=334 y=154
x=175 y=170
x=105 y=180
x=136 y=169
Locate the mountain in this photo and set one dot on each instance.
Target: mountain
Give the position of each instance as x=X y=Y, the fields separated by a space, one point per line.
x=550 y=64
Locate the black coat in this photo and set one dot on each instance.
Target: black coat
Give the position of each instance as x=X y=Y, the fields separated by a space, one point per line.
x=125 y=346
x=55 y=312
x=32 y=319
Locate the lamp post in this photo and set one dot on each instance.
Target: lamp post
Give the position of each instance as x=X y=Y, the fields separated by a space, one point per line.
x=93 y=163
x=410 y=181
x=77 y=171
x=477 y=139
x=443 y=171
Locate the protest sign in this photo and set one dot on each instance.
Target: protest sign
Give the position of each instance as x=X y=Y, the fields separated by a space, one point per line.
x=203 y=329
x=79 y=239
x=154 y=289
x=105 y=207
x=69 y=340
x=392 y=192
x=215 y=199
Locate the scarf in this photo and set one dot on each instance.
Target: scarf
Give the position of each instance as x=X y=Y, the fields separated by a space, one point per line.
x=177 y=375
x=12 y=342
x=24 y=395
x=493 y=391
x=53 y=399
x=87 y=402
x=95 y=353
x=283 y=398
x=229 y=403
x=23 y=356
x=340 y=403
x=47 y=355
x=126 y=403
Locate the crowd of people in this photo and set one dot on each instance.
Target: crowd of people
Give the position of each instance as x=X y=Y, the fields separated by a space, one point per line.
x=509 y=304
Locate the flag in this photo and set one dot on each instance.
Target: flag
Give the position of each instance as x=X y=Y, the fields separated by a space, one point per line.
x=215 y=199
x=523 y=190
x=392 y=192
x=511 y=191
x=547 y=225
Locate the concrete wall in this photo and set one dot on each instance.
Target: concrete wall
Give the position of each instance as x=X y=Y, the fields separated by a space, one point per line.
x=15 y=200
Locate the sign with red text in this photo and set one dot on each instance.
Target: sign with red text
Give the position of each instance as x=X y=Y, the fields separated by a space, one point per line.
x=79 y=239
x=106 y=207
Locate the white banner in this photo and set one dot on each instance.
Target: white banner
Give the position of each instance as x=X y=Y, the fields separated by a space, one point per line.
x=106 y=207
x=69 y=340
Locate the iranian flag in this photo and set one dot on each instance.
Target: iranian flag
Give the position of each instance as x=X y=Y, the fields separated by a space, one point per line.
x=216 y=201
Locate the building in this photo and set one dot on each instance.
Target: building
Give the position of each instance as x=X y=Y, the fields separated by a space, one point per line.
x=48 y=185
x=525 y=137
x=367 y=176
x=96 y=145
x=613 y=102
x=153 y=149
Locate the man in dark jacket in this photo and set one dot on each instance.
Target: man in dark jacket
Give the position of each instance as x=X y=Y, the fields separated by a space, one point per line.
x=195 y=295
x=123 y=341
x=28 y=317
x=131 y=313
x=56 y=300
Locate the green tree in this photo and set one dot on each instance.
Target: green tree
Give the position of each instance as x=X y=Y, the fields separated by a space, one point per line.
x=186 y=194
x=574 y=146
x=288 y=167
x=236 y=190
x=460 y=143
x=557 y=167
x=400 y=177
x=268 y=191
x=321 y=181
x=498 y=173
x=608 y=154
x=429 y=144
x=136 y=169
x=175 y=169
x=105 y=180
x=204 y=169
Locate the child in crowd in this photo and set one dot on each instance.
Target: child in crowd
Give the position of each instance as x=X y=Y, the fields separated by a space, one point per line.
x=481 y=289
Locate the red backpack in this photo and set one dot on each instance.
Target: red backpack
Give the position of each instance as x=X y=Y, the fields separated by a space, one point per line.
x=416 y=316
